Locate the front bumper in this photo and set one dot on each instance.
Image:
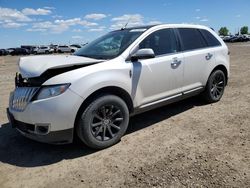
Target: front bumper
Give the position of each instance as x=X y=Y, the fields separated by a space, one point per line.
x=56 y=114
x=28 y=130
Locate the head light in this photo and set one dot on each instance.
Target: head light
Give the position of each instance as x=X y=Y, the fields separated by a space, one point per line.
x=51 y=91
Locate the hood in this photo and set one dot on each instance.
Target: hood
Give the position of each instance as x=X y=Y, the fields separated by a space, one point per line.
x=34 y=66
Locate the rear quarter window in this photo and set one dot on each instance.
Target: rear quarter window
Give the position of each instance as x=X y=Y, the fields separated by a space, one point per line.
x=212 y=41
x=191 y=39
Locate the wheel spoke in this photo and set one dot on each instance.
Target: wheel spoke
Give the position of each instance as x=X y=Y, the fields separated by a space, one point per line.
x=97 y=116
x=118 y=119
x=110 y=110
x=221 y=82
x=114 y=126
x=110 y=132
x=220 y=87
x=217 y=93
x=104 y=133
x=96 y=124
x=98 y=131
x=103 y=110
x=114 y=114
x=213 y=91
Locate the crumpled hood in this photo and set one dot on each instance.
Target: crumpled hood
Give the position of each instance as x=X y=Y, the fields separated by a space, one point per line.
x=34 y=66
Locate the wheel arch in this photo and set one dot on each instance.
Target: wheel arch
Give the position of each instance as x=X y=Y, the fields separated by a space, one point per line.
x=223 y=69
x=113 y=90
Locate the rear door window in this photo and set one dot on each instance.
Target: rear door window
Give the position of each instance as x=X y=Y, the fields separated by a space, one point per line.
x=191 y=39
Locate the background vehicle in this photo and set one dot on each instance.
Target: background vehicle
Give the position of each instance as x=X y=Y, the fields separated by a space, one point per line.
x=19 y=51
x=248 y=37
x=54 y=47
x=43 y=50
x=3 y=52
x=229 y=38
x=10 y=50
x=239 y=38
x=75 y=47
x=65 y=48
x=236 y=38
x=30 y=48
x=125 y=72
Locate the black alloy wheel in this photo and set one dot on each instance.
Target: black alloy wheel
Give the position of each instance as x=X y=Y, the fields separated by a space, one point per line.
x=106 y=122
x=215 y=86
x=103 y=122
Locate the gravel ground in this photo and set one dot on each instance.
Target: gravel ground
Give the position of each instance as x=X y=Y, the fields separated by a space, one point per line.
x=186 y=144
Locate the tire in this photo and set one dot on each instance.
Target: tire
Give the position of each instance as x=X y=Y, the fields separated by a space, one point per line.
x=72 y=51
x=215 y=86
x=46 y=52
x=103 y=122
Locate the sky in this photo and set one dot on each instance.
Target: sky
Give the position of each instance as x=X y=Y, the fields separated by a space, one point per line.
x=42 y=22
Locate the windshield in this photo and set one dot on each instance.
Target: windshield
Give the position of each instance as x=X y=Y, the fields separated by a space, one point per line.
x=110 y=45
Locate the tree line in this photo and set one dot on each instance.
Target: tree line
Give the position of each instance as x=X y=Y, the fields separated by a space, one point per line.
x=224 y=31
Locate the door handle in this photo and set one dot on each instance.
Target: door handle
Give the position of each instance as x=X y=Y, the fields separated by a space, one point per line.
x=175 y=63
x=208 y=56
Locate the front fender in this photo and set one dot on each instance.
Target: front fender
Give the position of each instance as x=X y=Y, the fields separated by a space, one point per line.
x=87 y=85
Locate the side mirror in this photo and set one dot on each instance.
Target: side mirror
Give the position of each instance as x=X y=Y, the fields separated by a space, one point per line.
x=145 y=53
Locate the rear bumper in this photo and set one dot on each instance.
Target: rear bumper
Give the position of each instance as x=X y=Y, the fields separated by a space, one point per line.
x=53 y=137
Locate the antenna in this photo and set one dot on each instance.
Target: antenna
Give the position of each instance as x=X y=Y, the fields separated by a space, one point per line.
x=126 y=24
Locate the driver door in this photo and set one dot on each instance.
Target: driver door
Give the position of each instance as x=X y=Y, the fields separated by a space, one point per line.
x=160 y=77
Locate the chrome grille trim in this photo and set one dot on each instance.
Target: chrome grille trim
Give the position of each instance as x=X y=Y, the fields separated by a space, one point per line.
x=21 y=97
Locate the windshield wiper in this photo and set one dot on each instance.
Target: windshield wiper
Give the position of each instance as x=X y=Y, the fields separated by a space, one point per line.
x=92 y=57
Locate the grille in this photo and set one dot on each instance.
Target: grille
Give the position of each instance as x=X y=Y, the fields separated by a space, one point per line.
x=21 y=97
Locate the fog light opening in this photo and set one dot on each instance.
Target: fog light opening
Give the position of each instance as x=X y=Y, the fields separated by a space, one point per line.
x=42 y=129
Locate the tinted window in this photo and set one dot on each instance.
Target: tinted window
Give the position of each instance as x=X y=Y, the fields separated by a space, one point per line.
x=162 y=42
x=191 y=39
x=211 y=40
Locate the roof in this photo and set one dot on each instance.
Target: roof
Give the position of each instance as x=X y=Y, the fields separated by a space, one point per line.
x=163 y=25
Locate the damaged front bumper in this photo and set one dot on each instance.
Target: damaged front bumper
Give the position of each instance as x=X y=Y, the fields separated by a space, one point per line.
x=49 y=120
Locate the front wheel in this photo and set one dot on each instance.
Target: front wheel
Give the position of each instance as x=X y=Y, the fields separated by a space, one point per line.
x=103 y=122
x=215 y=86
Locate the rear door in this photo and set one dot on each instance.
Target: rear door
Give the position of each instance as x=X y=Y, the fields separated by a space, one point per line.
x=198 y=57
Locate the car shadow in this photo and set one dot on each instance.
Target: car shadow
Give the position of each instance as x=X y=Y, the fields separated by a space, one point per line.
x=17 y=150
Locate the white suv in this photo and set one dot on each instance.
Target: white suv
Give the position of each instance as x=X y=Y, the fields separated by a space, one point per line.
x=94 y=91
x=43 y=50
x=64 y=48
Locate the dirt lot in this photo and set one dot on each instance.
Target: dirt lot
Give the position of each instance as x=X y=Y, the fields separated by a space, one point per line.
x=188 y=144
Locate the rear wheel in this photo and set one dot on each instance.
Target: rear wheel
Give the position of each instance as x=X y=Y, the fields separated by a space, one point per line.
x=215 y=86
x=103 y=122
